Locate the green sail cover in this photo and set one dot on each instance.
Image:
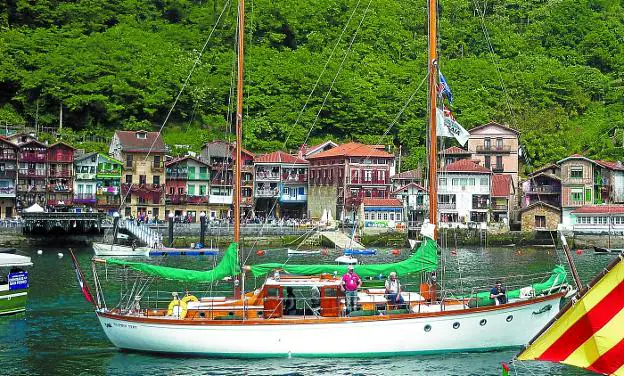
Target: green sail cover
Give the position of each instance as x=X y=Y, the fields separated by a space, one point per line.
x=425 y=259
x=228 y=266
x=557 y=277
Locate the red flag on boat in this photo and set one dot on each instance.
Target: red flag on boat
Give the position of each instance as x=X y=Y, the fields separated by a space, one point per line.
x=84 y=287
x=588 y=333
x=505 y=369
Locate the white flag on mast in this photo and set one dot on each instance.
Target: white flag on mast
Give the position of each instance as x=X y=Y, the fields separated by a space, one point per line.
x=447 y=127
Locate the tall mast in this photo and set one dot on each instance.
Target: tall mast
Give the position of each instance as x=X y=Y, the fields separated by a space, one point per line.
x=239 y=135
x=433 y=139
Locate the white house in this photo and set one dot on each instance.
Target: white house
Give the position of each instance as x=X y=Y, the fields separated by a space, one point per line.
x=85 y=183
x=598 y=219
x=463 y=194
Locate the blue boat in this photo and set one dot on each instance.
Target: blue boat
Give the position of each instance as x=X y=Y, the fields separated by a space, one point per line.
x=184 y=252
x=350 y=251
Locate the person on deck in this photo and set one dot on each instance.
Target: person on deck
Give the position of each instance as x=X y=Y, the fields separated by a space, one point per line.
x=498 y=294
x=393 y=290
x=351 y=282
x=290 y=304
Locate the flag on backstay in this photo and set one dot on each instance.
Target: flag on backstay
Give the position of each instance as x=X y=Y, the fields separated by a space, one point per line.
x=505 y=369
x=86 y=291
x=589 y=333
x=446 y=126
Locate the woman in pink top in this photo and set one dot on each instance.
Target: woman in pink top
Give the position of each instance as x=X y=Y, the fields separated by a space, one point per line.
x=351 y=282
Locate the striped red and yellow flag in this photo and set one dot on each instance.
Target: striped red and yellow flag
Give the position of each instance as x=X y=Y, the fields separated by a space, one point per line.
x=589 y=333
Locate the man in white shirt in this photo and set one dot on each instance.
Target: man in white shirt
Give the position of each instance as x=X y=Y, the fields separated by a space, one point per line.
x=393 y=289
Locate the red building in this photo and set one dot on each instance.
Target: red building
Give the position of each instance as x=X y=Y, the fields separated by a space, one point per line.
x=341 y=177
x=32 y=159
x=60 y=176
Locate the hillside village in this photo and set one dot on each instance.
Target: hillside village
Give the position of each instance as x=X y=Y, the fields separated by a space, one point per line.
x=478 y=187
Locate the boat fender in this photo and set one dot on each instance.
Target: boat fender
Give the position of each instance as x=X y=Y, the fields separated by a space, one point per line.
x=260 y=252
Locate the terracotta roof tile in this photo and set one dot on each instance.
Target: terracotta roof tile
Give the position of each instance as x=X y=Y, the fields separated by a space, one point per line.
x=500 y=185
x=279 y=157
x=352 y=149
x=417 y=186
x=411 y=174
x=617 y=166
x=370 y=201
x=130 y=142
x=540 y=203
x=495 y=124
x=600 y=209
x=454 y=150
x=465 y=165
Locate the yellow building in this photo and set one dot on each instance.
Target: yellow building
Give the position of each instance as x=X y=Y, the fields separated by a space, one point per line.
x=143 y=175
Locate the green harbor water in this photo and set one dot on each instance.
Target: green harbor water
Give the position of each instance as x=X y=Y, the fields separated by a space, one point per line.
x=60 y=335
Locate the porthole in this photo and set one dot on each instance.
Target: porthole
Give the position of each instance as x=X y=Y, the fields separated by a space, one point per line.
x=456 y=325
x=427 y=328
x=509 y=318
x=202 y=314
x=483 y=322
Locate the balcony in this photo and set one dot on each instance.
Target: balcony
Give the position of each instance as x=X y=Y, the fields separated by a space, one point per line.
x=219 y=181
x=129 y=167
x=61 y=157
x=267 y=192
x=499 y=207
x=61 y=173
x=447 y=206
x=175 y=199
x=33 y=157
x=32 y=173
x=247 y=201
x=265 y=175
x=65 y=202
x=296 y=178
x=108 y=201
x=31 y=188
x=197 y=200
x=85 y=176
x=544 y=189
x=8 y=174
x=84 y=198
x=59 y=188
x=8 y=155
x=369 y=181
x=219 y=199
x=157 y=167
x=7 y=192
x=147 y=188
x=111 y=191
x=498 y=168
x=493 y=149
x=298 y=198
x=180 y=175
x=108 y=172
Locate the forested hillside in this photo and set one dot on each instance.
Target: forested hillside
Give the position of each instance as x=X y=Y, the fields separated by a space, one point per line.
x=552 y=69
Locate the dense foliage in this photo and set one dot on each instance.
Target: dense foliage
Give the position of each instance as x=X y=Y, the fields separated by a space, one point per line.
x=552 y=69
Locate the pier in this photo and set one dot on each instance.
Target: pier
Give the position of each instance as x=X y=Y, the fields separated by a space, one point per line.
x=71 y=223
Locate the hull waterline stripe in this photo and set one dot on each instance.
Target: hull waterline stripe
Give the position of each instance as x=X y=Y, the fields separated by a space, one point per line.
x=587 y=325
x=594 y=296
x=599 y=344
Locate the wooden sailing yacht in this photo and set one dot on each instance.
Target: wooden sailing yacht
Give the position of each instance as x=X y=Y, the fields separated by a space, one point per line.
x=256 y=323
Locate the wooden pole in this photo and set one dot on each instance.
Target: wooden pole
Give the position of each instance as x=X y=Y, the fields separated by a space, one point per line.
x=566 y=250
x=433 y=139
x=239 y=136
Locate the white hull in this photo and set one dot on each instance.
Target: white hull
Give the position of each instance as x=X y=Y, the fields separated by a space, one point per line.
x=356 y=337
x=102 y=249
x=298 y=252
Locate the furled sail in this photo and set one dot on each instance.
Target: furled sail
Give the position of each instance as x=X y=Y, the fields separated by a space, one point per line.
x=227 y=267
x=588 y=333
x=425 y=259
